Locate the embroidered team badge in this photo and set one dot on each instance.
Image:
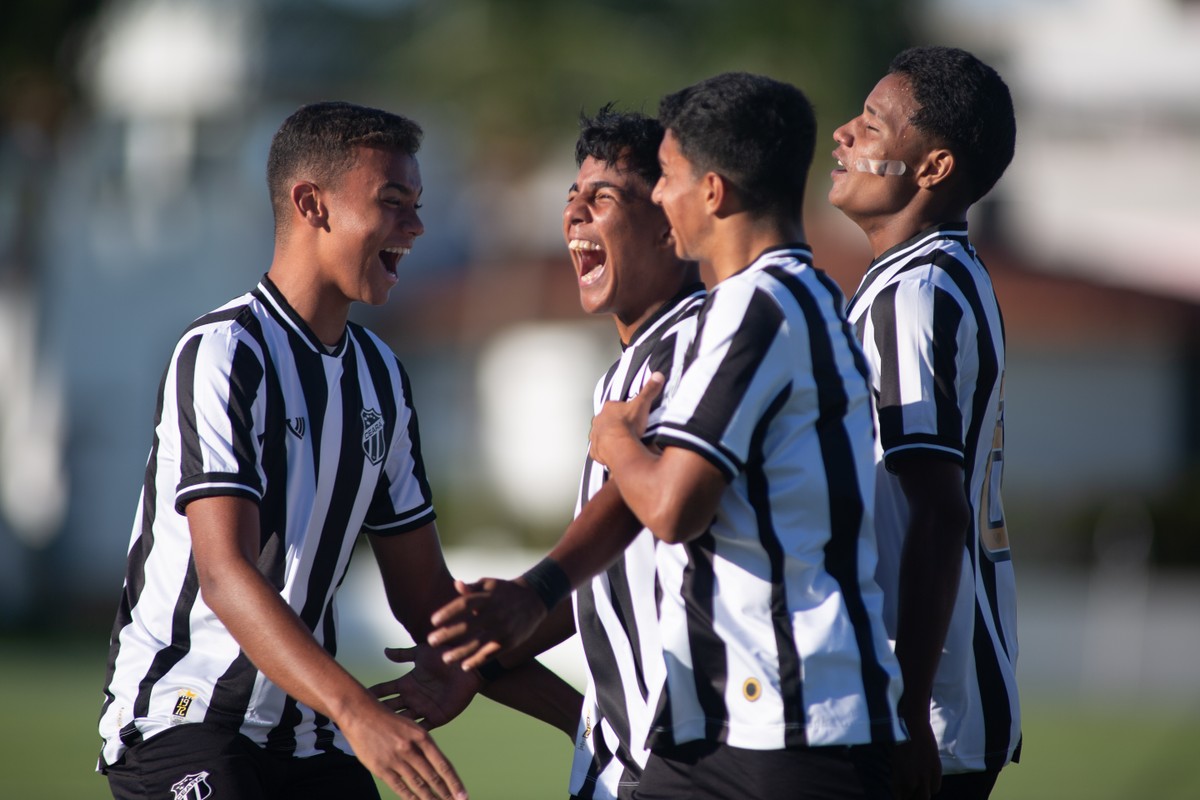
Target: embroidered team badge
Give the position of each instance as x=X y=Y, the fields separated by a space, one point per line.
x=296 y=426
x=751 y=689
x=183 y=703
x=192 y=787
x=372 y=439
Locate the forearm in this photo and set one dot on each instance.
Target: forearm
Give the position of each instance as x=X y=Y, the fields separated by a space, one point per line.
x=930 y=572
x=597 y=537
x=538 y=692
x=557 y=627
x=275 y=639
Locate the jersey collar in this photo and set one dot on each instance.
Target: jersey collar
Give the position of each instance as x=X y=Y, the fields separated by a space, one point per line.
x=280 y=308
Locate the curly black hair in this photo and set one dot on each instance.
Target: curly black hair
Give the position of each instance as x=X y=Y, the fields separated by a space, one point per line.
x=611 y=136
x=966 y=106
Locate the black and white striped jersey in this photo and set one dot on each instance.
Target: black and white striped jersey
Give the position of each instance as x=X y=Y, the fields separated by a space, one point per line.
x=929 y=323
x=616 y=614
x=771 y=620
x=253 y=405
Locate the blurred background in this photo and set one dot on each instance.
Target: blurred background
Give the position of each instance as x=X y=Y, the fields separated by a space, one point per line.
x=133 y=139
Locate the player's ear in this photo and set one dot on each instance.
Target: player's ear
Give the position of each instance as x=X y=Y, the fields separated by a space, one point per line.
x=721 y=196
x=717 y=194
x=936 y=168
x=306 y=199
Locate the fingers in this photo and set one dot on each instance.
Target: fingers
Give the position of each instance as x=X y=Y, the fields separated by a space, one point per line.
x=650 y=390
x=481 y=656
x=428 y=774
x=401 y=655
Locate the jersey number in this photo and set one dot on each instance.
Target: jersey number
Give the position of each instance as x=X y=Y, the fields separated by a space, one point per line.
x=993 y=535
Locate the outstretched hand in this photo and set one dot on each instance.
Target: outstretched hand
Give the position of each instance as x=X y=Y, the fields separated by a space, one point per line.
x=623 y=420
x=489 y=618
x=433 y=692
x=401 y=753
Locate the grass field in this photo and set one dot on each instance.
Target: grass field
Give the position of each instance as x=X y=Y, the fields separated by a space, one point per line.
x=49 y=698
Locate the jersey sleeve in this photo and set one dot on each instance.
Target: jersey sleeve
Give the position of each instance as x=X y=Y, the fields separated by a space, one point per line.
x=915 y=343
x=402 y=501
x=215 y=384
x=731 y=377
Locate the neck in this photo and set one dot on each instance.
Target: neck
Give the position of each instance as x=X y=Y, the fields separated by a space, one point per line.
x=740 y=239
x=325 y=312
x=885 y=231
x=627 y=328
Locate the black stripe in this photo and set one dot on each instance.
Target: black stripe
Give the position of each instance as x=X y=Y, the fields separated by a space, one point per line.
x=181 y=640
x=846 y=501
x=947 y=317
x=623 y=608
x=758 y=491
x=997 y=711
x=726 y=390
x=890 y=404
x=232 y=692
x=710 y=666
x=602 y=664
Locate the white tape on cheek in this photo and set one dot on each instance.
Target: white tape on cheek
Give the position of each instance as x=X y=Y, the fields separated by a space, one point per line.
x=880 y=166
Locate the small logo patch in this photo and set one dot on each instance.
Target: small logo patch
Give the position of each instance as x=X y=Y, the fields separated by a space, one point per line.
x=751 y=689
x=372 y=439
x=296 y=426
x=192 y=787
x=183 y=703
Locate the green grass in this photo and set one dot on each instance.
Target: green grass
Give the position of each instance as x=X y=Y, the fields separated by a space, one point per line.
x=50 y=696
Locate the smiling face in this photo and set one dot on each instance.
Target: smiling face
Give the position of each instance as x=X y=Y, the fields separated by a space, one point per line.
x=372 y=223
x=680 y=193
x=619 y=244
x=877 y=141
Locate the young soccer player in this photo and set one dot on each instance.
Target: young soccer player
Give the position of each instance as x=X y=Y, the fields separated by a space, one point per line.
x=282 y=432
x=935 y=135
x=780 y=681
x=626 y=267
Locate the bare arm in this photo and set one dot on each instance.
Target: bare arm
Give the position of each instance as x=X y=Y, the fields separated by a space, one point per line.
x=225 y=540
x=508 y=619
x=418 y=582
x=930 y=570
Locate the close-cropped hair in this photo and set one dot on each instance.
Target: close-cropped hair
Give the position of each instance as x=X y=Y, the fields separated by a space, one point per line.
x=318 y=142
x=966 y=106
x=757 y=132
x=613 y=137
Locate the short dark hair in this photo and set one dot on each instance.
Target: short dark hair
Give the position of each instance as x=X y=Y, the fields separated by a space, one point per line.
x=964 y=104
x=318 y=141
x=611 y=136
x=757 y=132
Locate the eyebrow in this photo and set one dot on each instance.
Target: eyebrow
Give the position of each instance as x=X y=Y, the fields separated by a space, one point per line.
x=402 y=188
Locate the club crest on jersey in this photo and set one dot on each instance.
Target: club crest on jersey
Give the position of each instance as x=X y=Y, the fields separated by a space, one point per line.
x=296 y=426
x=372 y=439
x=183 y=703
x=192 y=787
x=751 y=689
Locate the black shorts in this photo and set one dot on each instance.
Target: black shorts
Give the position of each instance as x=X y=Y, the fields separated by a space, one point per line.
x=711 y=771
x=199 y=760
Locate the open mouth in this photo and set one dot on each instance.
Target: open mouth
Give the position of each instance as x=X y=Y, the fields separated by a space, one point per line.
x=390 y=256
x=590 y=259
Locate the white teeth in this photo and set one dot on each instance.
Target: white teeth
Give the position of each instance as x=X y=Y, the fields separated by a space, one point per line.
x=400 y=251
x=591 y=277
x=583 y=244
